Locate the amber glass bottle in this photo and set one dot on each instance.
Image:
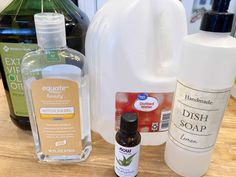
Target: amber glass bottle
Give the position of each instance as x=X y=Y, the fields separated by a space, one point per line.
x=127 y=146
x=17 y=37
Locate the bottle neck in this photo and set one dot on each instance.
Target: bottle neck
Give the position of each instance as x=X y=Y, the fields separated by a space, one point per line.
x=52 y=49
x=42 y=5
x=125 y=134
x=51 y=41
x=31 y=7
x=128 y=140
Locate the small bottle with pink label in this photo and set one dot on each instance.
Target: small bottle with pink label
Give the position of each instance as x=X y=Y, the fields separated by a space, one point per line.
x=56 y=89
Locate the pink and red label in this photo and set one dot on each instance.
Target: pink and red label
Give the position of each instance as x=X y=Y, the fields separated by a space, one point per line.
x=153 y=109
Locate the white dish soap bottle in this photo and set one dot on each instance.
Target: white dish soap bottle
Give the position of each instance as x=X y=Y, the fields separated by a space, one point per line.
x=132 y=48
x=207 y=71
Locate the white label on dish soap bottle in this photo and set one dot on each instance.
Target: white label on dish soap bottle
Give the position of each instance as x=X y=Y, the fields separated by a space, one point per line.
x=196 y=117
x=126 y=160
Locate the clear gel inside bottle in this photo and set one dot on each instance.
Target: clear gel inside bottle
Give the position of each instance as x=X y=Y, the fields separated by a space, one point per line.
x=56 y=89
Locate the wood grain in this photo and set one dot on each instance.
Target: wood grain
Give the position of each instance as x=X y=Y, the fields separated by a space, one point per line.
x=17 y=153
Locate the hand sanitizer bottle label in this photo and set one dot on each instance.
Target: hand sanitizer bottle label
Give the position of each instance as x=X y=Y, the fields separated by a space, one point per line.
x=126 y=160
x=56 y=104
x=196 y=117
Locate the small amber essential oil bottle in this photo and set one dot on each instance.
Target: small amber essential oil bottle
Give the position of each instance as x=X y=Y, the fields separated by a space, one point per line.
x=127 y=146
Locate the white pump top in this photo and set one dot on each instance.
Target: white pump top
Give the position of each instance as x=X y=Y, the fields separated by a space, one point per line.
x=50 y=29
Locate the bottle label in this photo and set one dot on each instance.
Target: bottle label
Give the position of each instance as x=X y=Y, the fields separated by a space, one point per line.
x=153 y=109
x=196 y=117
x=57 y=113
x=126 y=160
x=11 y=56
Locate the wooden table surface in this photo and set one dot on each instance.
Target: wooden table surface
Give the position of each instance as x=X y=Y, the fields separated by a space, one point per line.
x=17 y=153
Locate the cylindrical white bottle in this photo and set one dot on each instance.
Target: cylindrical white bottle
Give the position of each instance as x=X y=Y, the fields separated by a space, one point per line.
x=206 y=76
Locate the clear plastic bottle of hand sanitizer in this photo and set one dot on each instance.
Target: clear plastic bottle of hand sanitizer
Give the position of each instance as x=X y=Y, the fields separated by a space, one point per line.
x=56 y=88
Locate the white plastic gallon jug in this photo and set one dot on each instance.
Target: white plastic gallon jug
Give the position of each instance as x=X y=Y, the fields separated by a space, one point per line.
x=132 y=48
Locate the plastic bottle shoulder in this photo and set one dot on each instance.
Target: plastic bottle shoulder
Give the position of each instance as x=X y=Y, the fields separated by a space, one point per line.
x=35 y=61
x=209 y=39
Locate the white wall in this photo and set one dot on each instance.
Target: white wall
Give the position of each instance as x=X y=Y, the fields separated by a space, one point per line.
x=100 y=3
x=89 y=7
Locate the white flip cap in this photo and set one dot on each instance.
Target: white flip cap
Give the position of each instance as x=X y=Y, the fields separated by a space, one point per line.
x=50 y=29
